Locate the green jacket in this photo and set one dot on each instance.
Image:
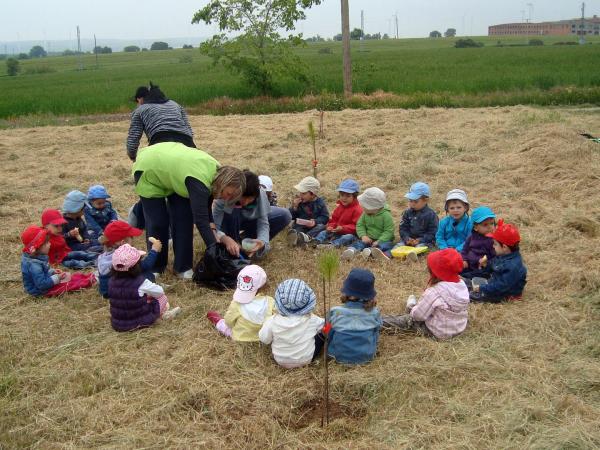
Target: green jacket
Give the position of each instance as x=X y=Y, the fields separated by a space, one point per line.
x=165 y=167
x=379 y=227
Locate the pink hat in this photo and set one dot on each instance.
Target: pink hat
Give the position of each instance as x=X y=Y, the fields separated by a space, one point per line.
x=250 y=280
x=125 y=257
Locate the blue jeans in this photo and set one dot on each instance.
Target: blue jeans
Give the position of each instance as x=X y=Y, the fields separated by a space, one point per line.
x=337 y=240
x=383 y=246
x=79 y=260
x=312 y=232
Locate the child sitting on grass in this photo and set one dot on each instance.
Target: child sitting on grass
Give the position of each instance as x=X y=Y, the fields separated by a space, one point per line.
x=455 y=228
x=355 y=324
x=341 y=228
x=478 y=249
x=38 y=278
x=267 y=184
x=309 y=212
x=98 y=211
x=419 y=222
x=60 y=252
x=375 y=227
x=293 y=329
x=116 y=234
x=247 y=312
x=135 y=302
x=508 y=274
x=75 y=229
x=442 y=311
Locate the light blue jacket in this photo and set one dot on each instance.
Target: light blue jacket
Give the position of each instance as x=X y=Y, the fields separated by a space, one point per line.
x=354 y=333
x=450 y=235
x=38 y=277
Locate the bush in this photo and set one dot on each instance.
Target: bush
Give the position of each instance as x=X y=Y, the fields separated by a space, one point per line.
x=102 y=50
x=159 y=46
x=34 y=70
x=131 y=48
x=23 y=56
x=186 y=59
x=12 y=67
x=467 y=43
x=325 y=51
x=536 y=42
x=187 y=46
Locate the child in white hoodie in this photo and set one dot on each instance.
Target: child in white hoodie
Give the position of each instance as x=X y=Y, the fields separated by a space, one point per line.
x=442 y=311
x=293 y=329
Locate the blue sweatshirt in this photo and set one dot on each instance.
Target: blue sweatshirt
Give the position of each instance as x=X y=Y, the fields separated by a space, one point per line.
x=453 y=234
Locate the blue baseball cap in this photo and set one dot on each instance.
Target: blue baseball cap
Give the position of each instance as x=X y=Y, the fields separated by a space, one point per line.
x=97 y=191
x=418 y=190
x=349 y=186
x=360 y=283
x=482 y=213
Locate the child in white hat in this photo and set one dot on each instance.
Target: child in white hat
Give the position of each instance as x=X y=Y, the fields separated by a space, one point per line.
x=267 y=184
x=247 y=311
x=455 y=228
x=309 y=212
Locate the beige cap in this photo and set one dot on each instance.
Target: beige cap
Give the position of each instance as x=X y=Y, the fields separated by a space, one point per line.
x=308 y=184
x=372 y=198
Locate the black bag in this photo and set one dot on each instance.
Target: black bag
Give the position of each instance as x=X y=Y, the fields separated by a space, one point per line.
x=218 y=269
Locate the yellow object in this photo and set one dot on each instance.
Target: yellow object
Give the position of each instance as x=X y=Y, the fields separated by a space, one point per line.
x=402 y=251
x=243 y=329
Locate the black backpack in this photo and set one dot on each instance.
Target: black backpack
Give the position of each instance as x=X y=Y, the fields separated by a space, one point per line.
x=218 y=269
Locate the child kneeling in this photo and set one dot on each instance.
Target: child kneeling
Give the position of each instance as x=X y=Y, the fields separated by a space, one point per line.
x=442 y=311
x=293 y=329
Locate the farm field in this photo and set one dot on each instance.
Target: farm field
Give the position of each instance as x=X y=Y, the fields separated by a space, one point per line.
x=523 y=375
x=420 y=72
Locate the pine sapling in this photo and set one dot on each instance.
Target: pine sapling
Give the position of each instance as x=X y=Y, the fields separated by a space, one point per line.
x=313 y=141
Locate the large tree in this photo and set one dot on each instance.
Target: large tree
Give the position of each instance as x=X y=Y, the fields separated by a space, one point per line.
x=37 y=51
x=259 y=53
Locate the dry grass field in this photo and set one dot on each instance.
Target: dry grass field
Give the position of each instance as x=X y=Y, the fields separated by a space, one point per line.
x=523 y=375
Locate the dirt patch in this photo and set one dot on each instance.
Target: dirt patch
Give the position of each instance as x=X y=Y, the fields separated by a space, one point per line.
x=314 y=412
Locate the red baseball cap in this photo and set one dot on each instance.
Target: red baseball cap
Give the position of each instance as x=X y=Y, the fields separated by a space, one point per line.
x=52 y=216
x=33 y=238
x=118 y=230
x=506 y=233
x=446 y=264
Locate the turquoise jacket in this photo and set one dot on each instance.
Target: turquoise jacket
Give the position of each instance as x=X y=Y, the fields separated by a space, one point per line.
x=452 y=234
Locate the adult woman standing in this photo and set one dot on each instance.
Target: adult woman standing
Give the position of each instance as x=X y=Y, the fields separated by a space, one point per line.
x=176 y=185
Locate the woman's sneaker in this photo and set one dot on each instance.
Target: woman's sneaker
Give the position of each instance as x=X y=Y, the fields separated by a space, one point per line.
x=378 y=254
x=348 y=254
x=187 y=275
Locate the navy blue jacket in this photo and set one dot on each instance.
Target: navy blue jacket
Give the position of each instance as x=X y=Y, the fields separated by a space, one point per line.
x=97 y=219
x=509 y=276
x=37 y=274
x=422 y=225
x=317 y=210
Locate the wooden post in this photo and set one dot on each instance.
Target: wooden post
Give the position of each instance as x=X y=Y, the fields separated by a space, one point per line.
x=346 y=44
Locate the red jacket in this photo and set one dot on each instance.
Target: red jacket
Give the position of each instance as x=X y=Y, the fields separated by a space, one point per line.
x=58 y=249
x=346 y=217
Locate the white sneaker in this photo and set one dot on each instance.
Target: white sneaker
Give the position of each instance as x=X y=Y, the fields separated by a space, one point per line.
x=378 y=254
x=411 y=302
x=412 y=257
x=303 y=239
x=366 y=253
x=348 y=254
x=171 y=313
x=187 y=275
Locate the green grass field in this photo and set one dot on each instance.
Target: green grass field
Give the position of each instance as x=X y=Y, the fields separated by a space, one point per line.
x=422 y=71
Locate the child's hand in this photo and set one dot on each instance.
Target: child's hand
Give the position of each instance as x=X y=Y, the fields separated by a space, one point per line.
x=156 y=244
x=312 y=223
x=86 y=241
x=483 y=262
x=339 y=229
x=465 y=264
x=374 y=243
x=330 y=229
x=412 y=242
x=475 y=288
x=296 y=201
x=64 y=277
x=367 y=240
x=74 y=232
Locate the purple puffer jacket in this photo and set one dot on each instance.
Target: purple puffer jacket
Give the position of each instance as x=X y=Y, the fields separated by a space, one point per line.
x=128 y=310
x=476 y=246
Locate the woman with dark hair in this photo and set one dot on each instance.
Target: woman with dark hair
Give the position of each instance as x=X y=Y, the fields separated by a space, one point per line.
x=162 y=120
x=253 y=216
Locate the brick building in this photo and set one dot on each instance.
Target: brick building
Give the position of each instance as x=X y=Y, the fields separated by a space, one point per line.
x=591 y=26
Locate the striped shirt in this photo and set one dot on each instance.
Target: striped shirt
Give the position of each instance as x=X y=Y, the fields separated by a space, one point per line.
x=153 y=118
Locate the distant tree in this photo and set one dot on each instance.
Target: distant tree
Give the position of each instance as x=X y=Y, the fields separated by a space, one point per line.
x=13 y=67
x=144 y=49
x=188 y=46
x=69 y=52
x=450 y=32
x=159 y=46
x=22 y=56
x=102 y=50
x=435 y=34
x=466 y=43
x=385 y=36
x=131 y=48
x=337 y=37
x=356 y=34
x=316 y=38
x=37 y=51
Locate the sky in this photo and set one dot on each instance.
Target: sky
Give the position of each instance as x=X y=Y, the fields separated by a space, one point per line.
x=43 y=20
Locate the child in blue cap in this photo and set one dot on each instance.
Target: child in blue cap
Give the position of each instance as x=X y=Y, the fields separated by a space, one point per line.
x=75 y=230
x=98 y=210
x=355 y=324
x=341 y=228
x=478 y=250
x=419 y=222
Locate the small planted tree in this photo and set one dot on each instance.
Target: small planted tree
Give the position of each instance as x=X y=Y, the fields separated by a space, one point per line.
x=313 y=142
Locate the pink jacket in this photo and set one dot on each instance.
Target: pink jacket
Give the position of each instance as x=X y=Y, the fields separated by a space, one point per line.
x=444 y=309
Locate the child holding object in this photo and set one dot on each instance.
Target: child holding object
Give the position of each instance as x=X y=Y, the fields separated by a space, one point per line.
x=478 y=249
x=75 y=229
x=455 y=228
x=355 y=324
x=375 y=227
x=341 y=228
x=38 y=277
x=442 y=311
x=98 y=211
x=135 y=302
x=293 y=330
x=309 y=212
x=247 y=311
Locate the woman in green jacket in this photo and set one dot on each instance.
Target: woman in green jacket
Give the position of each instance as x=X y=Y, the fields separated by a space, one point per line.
x=177 y=185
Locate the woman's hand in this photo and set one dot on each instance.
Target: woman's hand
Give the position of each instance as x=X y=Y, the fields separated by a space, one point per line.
x=259 y=245
x=232 y=247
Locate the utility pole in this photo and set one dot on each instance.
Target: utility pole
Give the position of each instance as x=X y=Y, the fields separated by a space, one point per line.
x=79 y=48
x=362 y=30
x=396 y=17
x=96 y=50
x=581 y=37
x=346 y=45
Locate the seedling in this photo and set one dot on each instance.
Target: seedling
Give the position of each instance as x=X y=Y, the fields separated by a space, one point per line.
x=313 y=141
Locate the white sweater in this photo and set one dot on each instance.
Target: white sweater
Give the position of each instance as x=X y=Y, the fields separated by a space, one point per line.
x=292 y=338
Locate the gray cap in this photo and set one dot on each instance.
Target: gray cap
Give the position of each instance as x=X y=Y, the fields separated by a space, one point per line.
x=308 y=184
x=372 y=198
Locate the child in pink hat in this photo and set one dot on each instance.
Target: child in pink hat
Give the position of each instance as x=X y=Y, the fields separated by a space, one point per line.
x=135 y=301
x=247 y=311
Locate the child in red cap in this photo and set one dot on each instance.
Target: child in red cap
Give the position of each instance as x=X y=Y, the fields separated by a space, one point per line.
x=38 y=278
x=442 y=311
x=116 y=234
x=508 y=273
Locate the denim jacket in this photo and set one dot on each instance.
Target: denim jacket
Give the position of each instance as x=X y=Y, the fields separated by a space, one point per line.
x=38 y=277
x=509 y=276
x=97 y=219
x=354 y=333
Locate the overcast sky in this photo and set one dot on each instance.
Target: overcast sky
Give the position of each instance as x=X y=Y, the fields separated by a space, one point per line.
x=128 y=19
